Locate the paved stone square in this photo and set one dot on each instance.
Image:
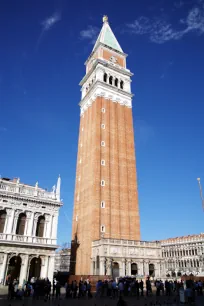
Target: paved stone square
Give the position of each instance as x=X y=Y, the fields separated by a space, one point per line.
x=104 y=301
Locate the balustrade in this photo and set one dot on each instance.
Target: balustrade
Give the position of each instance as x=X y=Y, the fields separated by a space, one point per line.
x=13 y=187
x=27 y=239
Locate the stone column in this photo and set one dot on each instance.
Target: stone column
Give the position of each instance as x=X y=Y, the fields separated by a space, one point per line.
x=3 y=268
x=128 y=267
x=54 y=228
x=158 y=271
x=146 y=266
x=109 y=267
x=16 y=215
x=92 y=267
x=36 y=216
x=44 y=266
x=24 y=269
x=123 y=267
x=30 y=225
x=48 y=220
x=51 y=265
x=27 y=225
x=102 y=266
x=10 y=214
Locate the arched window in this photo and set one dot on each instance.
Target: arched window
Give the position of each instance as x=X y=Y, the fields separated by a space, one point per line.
x=40 y=227
x=2 y=220
x=151 y=270
x=105 y=77
x=116 y=82
x=134 y=269
x=121 y=84
x=21 y=224
x=111 y=80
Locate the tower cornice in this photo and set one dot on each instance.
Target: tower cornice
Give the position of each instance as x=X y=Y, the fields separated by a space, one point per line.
x=105 y=64
x=100 y=89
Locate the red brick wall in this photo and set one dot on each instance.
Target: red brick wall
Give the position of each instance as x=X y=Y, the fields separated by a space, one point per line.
x=121 y=213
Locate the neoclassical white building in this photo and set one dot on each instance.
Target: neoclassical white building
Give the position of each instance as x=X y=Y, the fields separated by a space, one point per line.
x=118 y=257
x=28 y=230
x=62 y=260
x=184 y=255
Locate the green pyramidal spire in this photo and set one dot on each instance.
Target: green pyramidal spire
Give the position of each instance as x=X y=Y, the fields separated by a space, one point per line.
x=107 y=37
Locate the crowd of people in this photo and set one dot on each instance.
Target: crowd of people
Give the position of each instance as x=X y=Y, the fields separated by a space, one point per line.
x=110 y=288
x=34 y=288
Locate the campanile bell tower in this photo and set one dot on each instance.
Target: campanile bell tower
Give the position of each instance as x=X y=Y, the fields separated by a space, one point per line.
x=106 y=196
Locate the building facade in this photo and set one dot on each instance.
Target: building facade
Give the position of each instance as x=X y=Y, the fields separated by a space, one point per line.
x=62 y=260
x=184 y=255
x=28 y=230
x=106 y=211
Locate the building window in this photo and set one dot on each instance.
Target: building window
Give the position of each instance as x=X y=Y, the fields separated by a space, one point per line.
x=2 y=220
x=103 y=126
x=105 y=77
x=116 y=82
x=21 y=224
x=40 y=227
x=79 y=179
x=111 y=80
x=103 y=229
x=103 y=110
x=82 y=129
x=121 y=84
x=80 y=161
x=76 y=218
x=81 y=145
x=103 y=162
x=103 y=183
x=103 y=143
x=103 y=204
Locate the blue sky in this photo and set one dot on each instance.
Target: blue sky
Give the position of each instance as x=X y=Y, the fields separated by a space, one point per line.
x=44 y=45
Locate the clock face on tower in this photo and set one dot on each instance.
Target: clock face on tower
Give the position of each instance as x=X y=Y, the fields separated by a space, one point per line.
x=113 y=59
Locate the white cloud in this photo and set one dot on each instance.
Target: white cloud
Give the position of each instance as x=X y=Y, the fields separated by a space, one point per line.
x=49 y=22
x=90 y=34
x=159 y=31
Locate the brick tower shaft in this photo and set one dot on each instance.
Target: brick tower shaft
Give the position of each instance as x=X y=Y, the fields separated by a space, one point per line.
x=106 y=197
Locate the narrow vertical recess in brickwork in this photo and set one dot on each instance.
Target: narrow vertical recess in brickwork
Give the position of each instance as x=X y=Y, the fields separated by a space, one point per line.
x=123 y=174
x=132 y=180
x=109 y=177
x=114 y=173
x=97 y=168
x=105 y=195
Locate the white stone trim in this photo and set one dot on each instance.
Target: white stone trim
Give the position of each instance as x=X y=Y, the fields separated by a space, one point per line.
x=108 y=94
